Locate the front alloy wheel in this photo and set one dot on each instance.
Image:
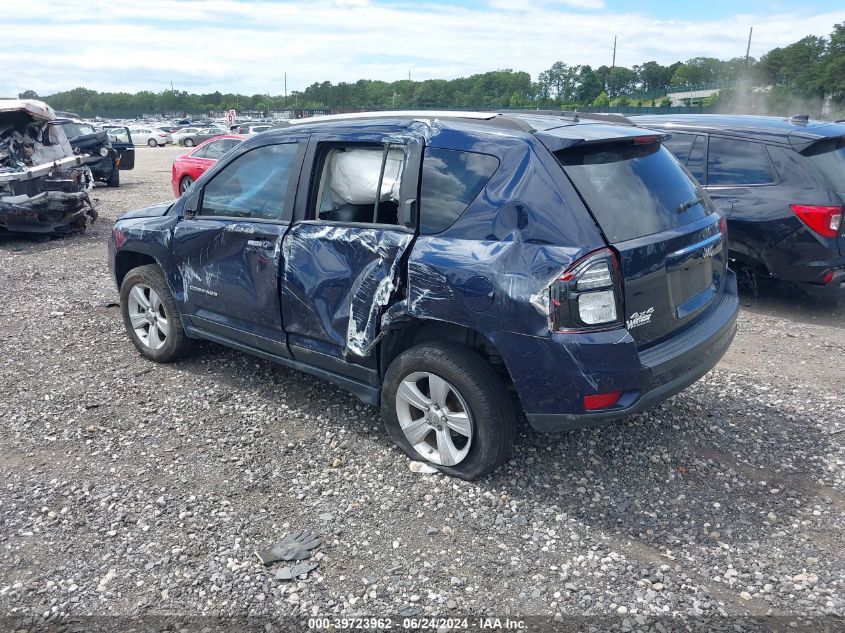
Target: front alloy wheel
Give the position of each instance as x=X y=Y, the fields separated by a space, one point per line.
x=148 y=316
x=434 y=418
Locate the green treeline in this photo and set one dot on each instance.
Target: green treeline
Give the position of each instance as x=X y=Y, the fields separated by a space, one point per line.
x=806 y=72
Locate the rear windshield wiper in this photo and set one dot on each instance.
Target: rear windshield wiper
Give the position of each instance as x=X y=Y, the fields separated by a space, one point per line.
x=689 y=204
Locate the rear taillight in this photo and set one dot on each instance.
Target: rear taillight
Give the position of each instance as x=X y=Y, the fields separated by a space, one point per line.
x=119 y=238
x=826 y=221
x=588 y=294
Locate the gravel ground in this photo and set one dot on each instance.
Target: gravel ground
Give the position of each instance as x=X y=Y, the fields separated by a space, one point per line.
x=136 y=489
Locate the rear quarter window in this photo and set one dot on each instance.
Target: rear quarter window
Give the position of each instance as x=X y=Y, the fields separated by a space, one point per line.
x=634 y=190
x=680 y=145
x=451 y=179
x=736 y=162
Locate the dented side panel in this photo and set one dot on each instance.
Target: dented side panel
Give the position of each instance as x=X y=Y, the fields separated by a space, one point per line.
x=336 y=282
x=510 y=241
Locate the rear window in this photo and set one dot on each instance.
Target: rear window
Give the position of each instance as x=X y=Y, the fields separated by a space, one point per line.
x=829 y=158
x=633 y=190
x=450 y=181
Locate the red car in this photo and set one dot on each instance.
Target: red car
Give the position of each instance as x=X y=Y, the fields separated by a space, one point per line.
x=188 y=167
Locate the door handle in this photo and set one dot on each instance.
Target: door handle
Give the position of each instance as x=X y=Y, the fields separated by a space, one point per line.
x=265 y=244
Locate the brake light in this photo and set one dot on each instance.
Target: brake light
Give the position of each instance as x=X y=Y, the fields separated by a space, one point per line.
x=826 y=221
x=587 y=296
x=601 y=400
x=119 y=238
x=828 y=277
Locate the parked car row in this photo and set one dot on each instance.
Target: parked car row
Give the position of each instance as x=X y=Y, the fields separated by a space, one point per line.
x=148 y=135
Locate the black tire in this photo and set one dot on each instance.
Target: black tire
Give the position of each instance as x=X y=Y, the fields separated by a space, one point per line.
x=490 y=406
x=176 y=344
x=189 y=142
x=185 y=183
x=152 y=143
x=114 y=179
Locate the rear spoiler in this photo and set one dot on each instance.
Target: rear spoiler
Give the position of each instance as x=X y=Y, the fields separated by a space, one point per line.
x=818 y=139
x=635 y=136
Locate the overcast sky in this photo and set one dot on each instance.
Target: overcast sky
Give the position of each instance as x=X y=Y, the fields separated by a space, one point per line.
x=235 y=46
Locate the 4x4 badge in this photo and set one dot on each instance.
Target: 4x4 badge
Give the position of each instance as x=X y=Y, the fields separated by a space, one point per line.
x=640 y=318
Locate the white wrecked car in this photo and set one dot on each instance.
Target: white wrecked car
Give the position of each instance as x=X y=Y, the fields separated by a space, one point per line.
x=44 y=186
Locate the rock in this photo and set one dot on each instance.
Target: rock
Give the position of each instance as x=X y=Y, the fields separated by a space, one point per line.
x=421 y=467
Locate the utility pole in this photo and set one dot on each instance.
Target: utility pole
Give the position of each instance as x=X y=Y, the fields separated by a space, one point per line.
x=286 y=90
x=748 y=48
x=409 y=74
x=612 y=68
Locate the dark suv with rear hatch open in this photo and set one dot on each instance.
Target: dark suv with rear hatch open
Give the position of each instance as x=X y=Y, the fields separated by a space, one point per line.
x=447 y=267
x=781 y=184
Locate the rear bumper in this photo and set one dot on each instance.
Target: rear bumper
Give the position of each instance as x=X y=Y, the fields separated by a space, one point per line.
x=578 y=365
x=832 y=291
x=709 y=357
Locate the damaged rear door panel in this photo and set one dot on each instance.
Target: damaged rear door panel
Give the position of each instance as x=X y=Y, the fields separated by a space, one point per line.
x=345 y=257
x=228 y=245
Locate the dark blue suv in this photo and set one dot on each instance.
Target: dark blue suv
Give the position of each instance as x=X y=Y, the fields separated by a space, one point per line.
x=448 y=267
x=781 y=184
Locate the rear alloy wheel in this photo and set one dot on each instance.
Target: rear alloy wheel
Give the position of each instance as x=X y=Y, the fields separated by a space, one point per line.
x=434 y=418
x=445 y=405
x=185 y=184
x=150 y=315
x=152 y=143
x=189 y=142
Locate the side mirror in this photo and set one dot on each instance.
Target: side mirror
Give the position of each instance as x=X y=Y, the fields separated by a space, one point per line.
x=191 y=205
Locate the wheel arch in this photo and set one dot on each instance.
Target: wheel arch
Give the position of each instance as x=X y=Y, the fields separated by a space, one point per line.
x=411 y=331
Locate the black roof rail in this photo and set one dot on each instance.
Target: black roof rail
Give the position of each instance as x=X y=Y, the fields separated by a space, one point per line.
x=608 y=117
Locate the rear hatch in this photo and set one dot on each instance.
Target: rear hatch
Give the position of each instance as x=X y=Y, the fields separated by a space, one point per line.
x=667 y=233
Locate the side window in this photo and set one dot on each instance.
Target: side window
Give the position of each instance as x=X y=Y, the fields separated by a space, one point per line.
x=350 y=178
x=451 y=179
x=735 y=162
x=251 y=186
x=202 y=151
x=680 y=145
x=695 y=162
x=215 y=150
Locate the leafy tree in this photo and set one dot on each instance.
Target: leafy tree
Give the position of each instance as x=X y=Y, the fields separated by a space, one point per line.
x=589 y=86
